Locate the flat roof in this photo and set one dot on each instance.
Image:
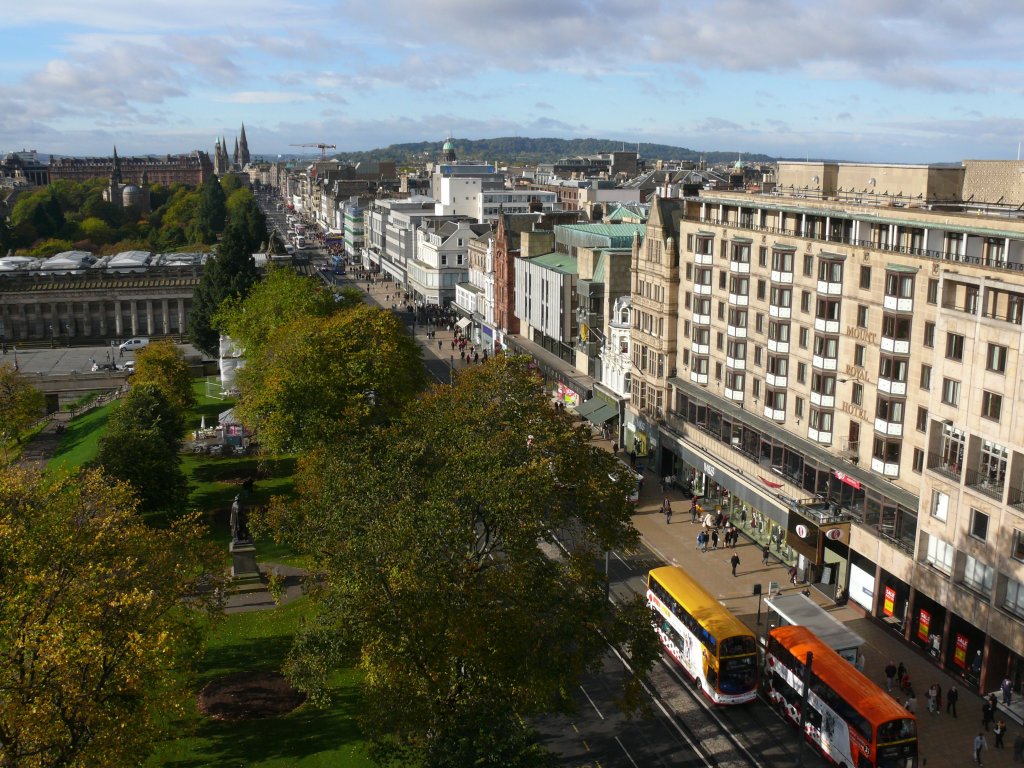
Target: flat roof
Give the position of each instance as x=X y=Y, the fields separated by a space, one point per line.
x=800 y=610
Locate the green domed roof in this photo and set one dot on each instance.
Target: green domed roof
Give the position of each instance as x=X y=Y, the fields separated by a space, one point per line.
x=448 y=145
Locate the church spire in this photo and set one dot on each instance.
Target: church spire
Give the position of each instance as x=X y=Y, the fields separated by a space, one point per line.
x=234 y=157
x=115 y=171
x=243 y=148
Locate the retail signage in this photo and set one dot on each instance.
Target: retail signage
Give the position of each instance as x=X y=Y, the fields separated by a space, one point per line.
x=834 y=533
x=889 y=603
x=845 y=478
x=960 y=654
x=709 y=469
x=924 y=623
x=801 y=531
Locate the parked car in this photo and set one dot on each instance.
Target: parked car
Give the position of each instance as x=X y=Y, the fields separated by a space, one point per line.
x=133 y=345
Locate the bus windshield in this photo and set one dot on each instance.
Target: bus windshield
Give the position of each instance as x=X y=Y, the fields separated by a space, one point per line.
x=737 y=674
x=737 y=646
x=897 y=730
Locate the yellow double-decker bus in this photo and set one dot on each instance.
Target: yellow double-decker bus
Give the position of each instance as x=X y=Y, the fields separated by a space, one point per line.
x=713 y=647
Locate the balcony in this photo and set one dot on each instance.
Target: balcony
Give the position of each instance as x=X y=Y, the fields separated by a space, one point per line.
x=889 y=386
x=824 y=363
x=778 y=346
x=739 y=299
x=830 y=289
x=943 y=466
x=773 y=380
x=701 y=319
x=700 y=349
x=774 y=415
x=737 y=332
x=739 y=267
x=818 y=436
x=786 y=278
x=1016 y=497
x=784 y=313
x=896 y=304
x=896 y=346
x=822 y=400
x=675 y=423
x=891 y=428
x=736 y=395
x=821 y=325
x=699 y=378
x=885 y=468
x=702 y=289
x=986 y=483
x=736 y=363
x=703 y=259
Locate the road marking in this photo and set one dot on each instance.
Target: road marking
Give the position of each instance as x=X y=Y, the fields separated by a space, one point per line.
x=620 y=559
x=585 y=745
x=592 y=702
x=626 y=751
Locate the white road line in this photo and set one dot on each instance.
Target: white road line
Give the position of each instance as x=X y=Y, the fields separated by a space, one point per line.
x=592 y=702
x=626 y=751
x=620 y=559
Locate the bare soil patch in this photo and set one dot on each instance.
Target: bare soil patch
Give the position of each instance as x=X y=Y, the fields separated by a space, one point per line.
x=249 y=696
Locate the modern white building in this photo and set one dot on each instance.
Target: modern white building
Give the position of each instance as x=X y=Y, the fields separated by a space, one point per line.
x=442 y=259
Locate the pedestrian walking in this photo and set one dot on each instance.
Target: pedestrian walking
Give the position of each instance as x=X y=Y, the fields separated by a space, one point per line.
x=704 y=541
x=714 y=538
x=951 y=699
x=700 y=539
x=986 y=713
x=632 y=458
x=666 y=507
x=734 y=561
x=1000 y=731
x=765 y=554
x=901 y=670
x=792 y=574
x=1007 y=688
x=615 y=449
x=931 y=699
x=910 y=703
x=980 y=745
x=694 y=510
x=890 y=672
x=439 y=343
x=938 y=699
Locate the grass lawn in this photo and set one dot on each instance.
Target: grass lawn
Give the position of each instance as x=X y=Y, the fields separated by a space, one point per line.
x=306 y=738
x=80 y=442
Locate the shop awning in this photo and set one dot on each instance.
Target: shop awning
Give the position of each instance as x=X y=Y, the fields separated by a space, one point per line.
x=464 y=323
x=587 y=408
x=604 y=413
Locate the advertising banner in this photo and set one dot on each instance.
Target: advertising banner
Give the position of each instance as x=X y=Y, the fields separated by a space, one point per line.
x=960 y=654
x=924 y=623
x=889 y=604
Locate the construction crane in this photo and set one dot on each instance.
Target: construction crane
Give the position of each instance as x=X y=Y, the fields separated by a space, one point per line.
x=322 y=147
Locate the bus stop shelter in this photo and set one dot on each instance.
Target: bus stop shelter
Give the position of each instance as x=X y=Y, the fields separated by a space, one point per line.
x=801 y=610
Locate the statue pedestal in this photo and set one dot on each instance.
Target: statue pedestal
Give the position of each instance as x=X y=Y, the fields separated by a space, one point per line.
x=243 y=562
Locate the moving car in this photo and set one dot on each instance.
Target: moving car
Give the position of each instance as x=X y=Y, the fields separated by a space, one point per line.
x=134 y=344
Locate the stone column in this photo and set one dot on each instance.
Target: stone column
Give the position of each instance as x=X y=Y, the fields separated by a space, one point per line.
x=166 y=317
x=135 y=317
x=149 y=317
x=102 y=313
x=182 y=324
x=118 y=318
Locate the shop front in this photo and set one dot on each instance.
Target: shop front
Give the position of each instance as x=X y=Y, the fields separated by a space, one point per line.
x=821 y=539
x=966 y=650
x=893 y=601
x=927 y=624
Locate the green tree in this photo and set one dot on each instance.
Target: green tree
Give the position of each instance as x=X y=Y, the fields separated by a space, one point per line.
x=141 y=446
x=96 y=230
x=6 y=239
x=96 y=641
x=212 y=211
x=251 y=222
x=280 y=298
x=230 y=182
x=163 y=365
x=318 y=380
x=434 y=534
x=231 y=273
x=21 y=404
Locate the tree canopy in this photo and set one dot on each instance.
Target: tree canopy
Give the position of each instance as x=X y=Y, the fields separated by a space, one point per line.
x=437 y=538
x=21 y=404
x=318 y=380
x=163 y=365
x=96 y=641
x=141 y=447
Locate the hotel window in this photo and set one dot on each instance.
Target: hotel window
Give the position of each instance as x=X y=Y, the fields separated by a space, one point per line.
x=991 y=405
x=1017 y=546
x=887 y=450
x=992 y=466
x=922 y=419
x=721 y=310
x=826 y=346
x=805 y=301
x=857 y=394
x=865 y=277
x=721 y=279
x=827 y=309
x=954 y=347
x=940 y=506
x=830 y=271
x=929 y=334
x=821 y=420
x=740 y=286
x=782 y=261
x=762 y=286
x=951 y=392
x=940 y=555
x=1014 y=599
x=901 y=286
x=781 y=297
x=758 y=322
x=756 y=388
x=889 y=410
x=798 y=407
x=918 y=461
x=926 y=377
x=718 y=371
x=719 y=340
x=933 y=291
x=995 y=358
x=979 y=524
x=862 y=316
x=803 y=337
x=689 y=271
x=801 y=372
x=977 y=575
x=808 y=265
x=762 y=257
x=858 y=355
x=737 y=350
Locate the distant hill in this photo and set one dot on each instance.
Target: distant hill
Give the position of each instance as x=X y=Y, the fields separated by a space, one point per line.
x=520 y=149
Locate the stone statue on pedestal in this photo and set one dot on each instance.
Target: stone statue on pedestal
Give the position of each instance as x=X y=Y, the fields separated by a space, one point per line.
x=239 y=522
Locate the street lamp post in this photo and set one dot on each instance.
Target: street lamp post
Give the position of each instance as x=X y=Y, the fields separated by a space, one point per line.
x=451 y=370
x=51 y=336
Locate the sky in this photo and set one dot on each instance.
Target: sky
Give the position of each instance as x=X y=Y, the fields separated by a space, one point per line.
x=860 y=80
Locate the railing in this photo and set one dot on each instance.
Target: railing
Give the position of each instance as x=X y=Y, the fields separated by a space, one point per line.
x=675 y=423
x=856 y=243
x=939 y=463
x=981 y=481
x=1016 y=497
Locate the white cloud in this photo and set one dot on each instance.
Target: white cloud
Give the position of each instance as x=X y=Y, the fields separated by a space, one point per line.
x=267 y=97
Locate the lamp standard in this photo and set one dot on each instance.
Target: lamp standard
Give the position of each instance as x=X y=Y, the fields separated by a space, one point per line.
x=51 y=336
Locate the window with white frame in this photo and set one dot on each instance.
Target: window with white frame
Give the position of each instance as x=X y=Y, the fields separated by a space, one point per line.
x=940 y=555
x=1013 y=601
x=978 y=575
x=979 y=524
x=940 y=505
x=1017 y=550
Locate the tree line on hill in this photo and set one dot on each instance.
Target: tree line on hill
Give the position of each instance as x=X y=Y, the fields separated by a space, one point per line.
x=530 y=151
x=68 y=215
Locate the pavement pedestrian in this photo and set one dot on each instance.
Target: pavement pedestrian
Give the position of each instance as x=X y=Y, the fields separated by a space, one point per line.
x=890 y=674
x=951 y=699
x=931 y=699
x=439 y=343
x=938 y=699
x=980 y=745
x=694 y=510
x=734 y=561
x=714 y=538
x=765 y=554
x=910 y=704
x=666 y=507
x=792 y=574
x=999 y=729
x=986 y=713
x=1007 y=688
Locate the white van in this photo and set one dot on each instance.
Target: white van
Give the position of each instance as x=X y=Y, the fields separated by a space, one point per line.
x=133 y=345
